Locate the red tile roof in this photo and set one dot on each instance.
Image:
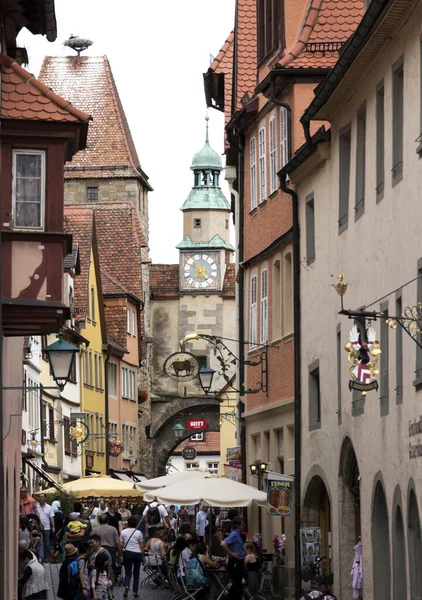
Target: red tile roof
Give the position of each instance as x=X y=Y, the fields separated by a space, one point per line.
x=115 y=316
x=112 y=287
x=164 y=281
x=326 y=21
x=223 y=64
x=24 y=97
x=229 y=281
x=89 y=83
x=210 y=445
x=246 y=41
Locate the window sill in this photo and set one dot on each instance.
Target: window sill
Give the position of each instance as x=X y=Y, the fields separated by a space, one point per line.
x=253 y=212
x=262 y=202
x=100 y=390
x=90 y=387
x=93 y=322
x=315 y=426
x=273 y=195
x=278 y=340
x=257 y=349
x=419 y=150
x=288 y=337
x=417 y=383
x=125 y=398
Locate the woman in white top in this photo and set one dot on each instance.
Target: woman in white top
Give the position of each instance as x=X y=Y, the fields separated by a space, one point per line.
x=157 y=549
x=133 y=546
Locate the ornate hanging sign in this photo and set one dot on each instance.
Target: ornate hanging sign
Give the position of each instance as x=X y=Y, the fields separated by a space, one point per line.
x=363 y=350
x=78 y=431
x=181 y=366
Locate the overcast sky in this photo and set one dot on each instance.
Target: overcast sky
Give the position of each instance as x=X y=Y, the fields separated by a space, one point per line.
x=158 y=52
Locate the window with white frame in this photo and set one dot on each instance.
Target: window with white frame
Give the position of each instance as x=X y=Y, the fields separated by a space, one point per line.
x=191 y=465
x=264 y=307
x=134 y=323
x=112 y=380
x=253 y=338
x=253 y=172
x=284 y=137
x=273 y=155
x=213 y=468
x=125 y=382
x=262 y=166
x=28 y=189
x=197 y=437
x=132 y=385
x=112 y=430
x=128 y=328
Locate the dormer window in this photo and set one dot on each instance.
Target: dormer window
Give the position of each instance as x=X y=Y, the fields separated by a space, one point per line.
x=197 y=223
x=28 y=189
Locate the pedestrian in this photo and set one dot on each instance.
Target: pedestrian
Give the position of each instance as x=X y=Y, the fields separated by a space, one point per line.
x=33 y=578
x=133 y=546
x=28 y=505
x=155 y=515
x=93 y=512
x=124 y=512
x=46 y=513
x=34 y=528
x=71 y=535
x=101 y=584
x=83 y=591
x=201 y=522
x=70 y=556
x=233 y=546
x=109 y=539
x=114 y=517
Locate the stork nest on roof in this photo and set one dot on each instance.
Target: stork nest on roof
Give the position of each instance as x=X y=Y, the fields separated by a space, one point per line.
x=78 y=44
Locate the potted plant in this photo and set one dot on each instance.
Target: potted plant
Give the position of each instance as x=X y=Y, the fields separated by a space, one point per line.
x=278 y=574
x=142 y=396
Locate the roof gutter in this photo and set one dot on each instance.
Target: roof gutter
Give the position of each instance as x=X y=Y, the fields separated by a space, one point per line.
x=347 y=56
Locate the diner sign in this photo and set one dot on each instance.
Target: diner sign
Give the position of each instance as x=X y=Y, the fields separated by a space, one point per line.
x=198 y=425
x=279 y=494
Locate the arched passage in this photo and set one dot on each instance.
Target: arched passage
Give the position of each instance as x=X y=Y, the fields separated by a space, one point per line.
x=316 y=512
x=414 y=544
x=349 y=514
x=399 y=555
x=381 y=566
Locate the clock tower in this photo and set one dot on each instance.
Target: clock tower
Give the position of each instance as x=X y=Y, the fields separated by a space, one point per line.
x=205 y=249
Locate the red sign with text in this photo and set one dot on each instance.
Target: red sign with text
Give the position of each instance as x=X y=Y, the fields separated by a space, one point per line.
x=198 y=425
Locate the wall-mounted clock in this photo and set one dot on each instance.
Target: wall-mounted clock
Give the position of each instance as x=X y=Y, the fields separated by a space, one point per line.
x=200 y=271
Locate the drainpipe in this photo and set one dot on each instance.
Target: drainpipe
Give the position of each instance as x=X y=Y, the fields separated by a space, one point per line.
x=297 y=374
x=106 y=411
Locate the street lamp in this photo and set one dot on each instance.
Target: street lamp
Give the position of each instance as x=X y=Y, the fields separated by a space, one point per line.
x=205 y=378
x=178 y=431
x=253 y=469
x=61 y=356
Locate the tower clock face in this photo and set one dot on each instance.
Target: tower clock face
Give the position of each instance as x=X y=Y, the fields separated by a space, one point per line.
x=200 y=271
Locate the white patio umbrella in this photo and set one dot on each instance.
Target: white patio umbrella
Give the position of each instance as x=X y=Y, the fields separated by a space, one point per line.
x=213 y=491
x=171 y=479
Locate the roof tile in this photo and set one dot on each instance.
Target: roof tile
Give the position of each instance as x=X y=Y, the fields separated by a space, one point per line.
x=210 y=444
x=164 y=281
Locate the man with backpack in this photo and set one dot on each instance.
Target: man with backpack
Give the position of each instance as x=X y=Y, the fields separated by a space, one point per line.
x=155 y=516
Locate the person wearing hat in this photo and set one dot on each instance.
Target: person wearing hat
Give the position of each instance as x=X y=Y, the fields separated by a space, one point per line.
x=70 y=554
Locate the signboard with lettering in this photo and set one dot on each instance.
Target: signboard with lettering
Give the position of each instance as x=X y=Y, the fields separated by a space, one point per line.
x=197 y=425
x=279 y=494
x=189 y=453
x=415 y=449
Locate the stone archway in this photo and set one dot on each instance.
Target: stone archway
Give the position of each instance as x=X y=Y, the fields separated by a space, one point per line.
x=164 y=415
x=414 y=543
x=381 y=565
x=316 y=511
x=349 y=514
x=399 y=548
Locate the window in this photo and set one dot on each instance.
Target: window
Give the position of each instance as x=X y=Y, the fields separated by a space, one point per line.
x=253 y=312
x=134 y=323
x=96 y=369
x=92 y=194
x=125 y=382
x=310 y=229
x=52 y=432
x=191 y=465
x=314 y=397
x=197 y=437
x=128 y=329
x=213 y=468
x=418 y=371
x=268 y=26
x=399 y=352
x=44 y=425
x=344 y=176
x=257 y=447
x=384 y=362
x=253 y=172
x=98 y=433
x=100 y=371
x=273 y=155
x=284 y=137
x=262 y=166
x=90 y=372
x=112 y=431
x=112 y=380
x=101 y=436
x=203 y=361
x=197 y=222
x=92 y=304
x=67 y=442
x=360 y=163
x=276 y=295
x=132 y=385
x=380 y=125
x=288 y=293
x=398 y=120
x=88 y=308
x=264 y=307
x=280 y=444
x=72 y=377
x=28 y=189
x=227 y=223
x=339 y=368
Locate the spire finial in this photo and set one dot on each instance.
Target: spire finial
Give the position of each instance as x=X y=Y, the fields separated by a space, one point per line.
x=206 y=134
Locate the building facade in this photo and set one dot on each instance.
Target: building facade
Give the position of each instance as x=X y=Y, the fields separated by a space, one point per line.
x=357 y=188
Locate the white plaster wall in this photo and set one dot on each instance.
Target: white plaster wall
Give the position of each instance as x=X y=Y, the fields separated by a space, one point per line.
x=178 y=463
x=377 y=254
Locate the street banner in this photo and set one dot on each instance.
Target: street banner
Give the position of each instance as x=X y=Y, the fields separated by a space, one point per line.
x=233 y=472
x=279 y=494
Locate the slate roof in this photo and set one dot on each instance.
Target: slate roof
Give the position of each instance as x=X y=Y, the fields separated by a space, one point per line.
x=164 y=281
x=215 y=242
x=211 y=444
x=326 y=21
x=88 y=81
x=229 y=281
x=25 y=97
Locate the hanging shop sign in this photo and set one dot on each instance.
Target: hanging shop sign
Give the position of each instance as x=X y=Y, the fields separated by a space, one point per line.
x=181 y=366
x=279 y=494
x=310 y=544
x=233 y=472
x=189 y=453
x=234 y=454
x=415 y=449
x=363 y=351
x=197 y=425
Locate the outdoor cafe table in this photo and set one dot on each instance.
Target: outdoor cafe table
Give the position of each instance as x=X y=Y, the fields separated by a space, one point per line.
x=219 y=575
